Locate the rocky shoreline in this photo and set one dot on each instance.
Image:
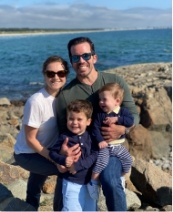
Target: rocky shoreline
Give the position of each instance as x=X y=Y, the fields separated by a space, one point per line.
x=149 y=186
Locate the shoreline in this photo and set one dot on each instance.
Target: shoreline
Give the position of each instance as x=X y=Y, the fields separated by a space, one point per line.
x=49 y=33
x=36 y=33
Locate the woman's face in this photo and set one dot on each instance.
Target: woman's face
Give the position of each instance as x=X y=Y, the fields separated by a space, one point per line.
x=54 y=81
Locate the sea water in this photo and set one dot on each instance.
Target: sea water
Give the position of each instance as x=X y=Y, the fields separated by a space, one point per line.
x=21 y=57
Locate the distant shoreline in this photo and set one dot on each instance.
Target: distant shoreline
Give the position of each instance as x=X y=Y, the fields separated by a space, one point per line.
x=4 y=34
x=42 y=32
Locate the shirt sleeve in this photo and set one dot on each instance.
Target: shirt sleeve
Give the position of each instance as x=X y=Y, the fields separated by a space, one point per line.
x=126 y=119
x=32 y=114
x=96 y=129
x=54 y=152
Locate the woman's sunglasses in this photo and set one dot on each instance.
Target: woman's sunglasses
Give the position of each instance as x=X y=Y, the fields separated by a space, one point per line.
x=76 y=58
x=51 y=74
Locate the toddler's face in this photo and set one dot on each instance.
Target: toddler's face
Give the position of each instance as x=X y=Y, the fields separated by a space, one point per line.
x=77 y=122
x=107 y=102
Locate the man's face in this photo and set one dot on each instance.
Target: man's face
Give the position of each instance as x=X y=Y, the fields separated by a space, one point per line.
x=83 y=67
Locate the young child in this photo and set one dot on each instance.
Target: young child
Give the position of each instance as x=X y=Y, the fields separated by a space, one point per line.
x=110 y=99
x=78 y=173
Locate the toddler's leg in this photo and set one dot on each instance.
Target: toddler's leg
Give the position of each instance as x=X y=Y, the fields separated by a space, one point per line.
x=101 y=163
x=124 y=156
x=71 y=193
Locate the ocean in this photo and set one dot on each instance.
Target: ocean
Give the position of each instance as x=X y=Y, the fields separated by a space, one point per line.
x=21 y=57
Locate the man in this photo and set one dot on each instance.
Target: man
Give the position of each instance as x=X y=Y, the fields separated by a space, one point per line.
x=85 y=86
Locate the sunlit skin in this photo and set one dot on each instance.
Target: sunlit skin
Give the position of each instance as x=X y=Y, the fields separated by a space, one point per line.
x=107 y=102
x=77 y=122
x=85 y=70
x=54 y=84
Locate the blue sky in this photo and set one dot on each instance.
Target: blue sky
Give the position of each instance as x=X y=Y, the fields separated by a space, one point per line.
x=85 y=13
x=114 y=4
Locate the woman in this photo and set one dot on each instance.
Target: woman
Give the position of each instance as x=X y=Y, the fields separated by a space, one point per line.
x=39 y=129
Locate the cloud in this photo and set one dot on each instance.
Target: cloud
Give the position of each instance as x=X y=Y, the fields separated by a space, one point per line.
x=82 y=16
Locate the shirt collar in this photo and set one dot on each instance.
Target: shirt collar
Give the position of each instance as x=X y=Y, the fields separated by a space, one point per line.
x=115 y=110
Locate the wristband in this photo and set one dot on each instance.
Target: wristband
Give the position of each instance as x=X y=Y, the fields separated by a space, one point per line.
x=127 y=130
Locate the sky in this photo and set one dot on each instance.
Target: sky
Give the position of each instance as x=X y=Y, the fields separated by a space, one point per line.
x=85 y=13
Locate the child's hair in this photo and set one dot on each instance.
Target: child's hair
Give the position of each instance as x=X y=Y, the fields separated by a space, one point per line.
x=81 y=106
x=115 y=89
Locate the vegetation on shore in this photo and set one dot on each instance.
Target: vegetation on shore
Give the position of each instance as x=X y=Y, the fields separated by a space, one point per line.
x=39 y=30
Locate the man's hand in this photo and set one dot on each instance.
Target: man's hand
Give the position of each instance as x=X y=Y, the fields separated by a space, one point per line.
x=73 y=151
x=61 y=169
x=112 y=132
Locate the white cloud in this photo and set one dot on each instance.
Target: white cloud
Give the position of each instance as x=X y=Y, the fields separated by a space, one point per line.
x=82 y=16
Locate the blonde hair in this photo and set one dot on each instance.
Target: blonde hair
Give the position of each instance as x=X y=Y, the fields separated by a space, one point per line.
x=115 y=89
x=81 y=106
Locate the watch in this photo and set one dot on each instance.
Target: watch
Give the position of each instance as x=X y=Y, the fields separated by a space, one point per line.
x=127 y=130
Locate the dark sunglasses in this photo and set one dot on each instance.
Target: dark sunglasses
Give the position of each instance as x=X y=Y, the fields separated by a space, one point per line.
x=51 y=74
x=76 y=58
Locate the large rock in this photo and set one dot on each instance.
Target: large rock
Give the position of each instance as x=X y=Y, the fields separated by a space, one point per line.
x=154 y=184
x=140 y=145
x=156 y=110
x=9 y=173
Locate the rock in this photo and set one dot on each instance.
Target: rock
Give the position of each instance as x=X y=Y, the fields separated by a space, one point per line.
x=154 y=184
x=4 y=102
x=149 y=142
x=156 y=112
x=140 y=145
x=17 y=204
x=49 y=186
x=18 y=188
x=133 y=200
x=9 y=173
x=161 y=142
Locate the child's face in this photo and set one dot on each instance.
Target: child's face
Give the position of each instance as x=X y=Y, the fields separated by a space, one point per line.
x=77 y=122
x=107 y=102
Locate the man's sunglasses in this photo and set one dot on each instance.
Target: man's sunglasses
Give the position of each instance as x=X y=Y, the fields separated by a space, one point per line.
x=85 y=56
x=51 y=74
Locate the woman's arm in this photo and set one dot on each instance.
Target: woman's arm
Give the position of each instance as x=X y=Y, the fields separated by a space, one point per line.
x=31 y=138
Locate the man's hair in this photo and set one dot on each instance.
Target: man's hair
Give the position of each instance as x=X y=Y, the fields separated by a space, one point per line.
x=115 y=89
x=80 y=40
x=79 y=106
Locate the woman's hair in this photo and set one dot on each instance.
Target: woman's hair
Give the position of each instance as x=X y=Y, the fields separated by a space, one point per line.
x=55 y=58
x=81 y=106
x=80 y=40
x=115 y=89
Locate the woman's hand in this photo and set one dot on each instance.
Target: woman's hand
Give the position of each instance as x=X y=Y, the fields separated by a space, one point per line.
x=72 y=170
x=73 y=151
x=61 y=169
x=112 y=132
